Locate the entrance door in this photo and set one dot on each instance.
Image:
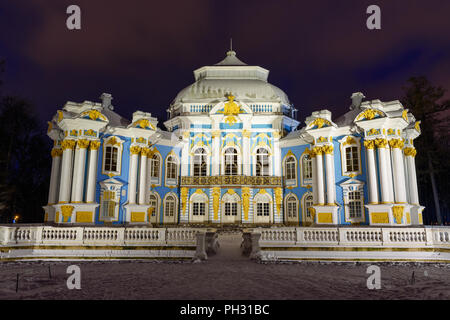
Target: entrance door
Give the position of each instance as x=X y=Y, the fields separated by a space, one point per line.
x=230 y=212
x=262 y=212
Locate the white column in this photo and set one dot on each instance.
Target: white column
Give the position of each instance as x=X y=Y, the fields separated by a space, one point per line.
x=371 y=171
x=134 y=154
x=92 y=171
x=185 y=158
x=329 y=162
x=389 y=173
x=320 y=182
x=410 y=153
x=79 y=170
x=54 y=176
x=215 y=153
x=383 y=169
x=398 y=170
x=277 y=155
x=314 y=176
x=66 y=171
x=143 y=176
x=246 y=152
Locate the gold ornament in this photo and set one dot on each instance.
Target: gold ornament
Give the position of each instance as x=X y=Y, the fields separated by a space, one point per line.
x=67 y=144
x=369 y=114
x=349 y=141
x=246 y=201
x=410 y=152
x=381 y=143
x=56 y=152
x=184 y=194
x=405 y=115
x=66 y=212
x=328 y=149
x=216 y=202
x=83 y=143
x=95 y=145
x=369 y=144
x=278 y=198
x=397 y=211
x=396 y=143
x=135 y=150
x=320 y=122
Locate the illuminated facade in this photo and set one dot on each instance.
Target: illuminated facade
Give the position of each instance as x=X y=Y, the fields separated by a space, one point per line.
x=233 y=154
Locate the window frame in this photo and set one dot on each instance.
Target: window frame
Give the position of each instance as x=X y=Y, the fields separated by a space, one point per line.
x=350 y=142
x=115 y=143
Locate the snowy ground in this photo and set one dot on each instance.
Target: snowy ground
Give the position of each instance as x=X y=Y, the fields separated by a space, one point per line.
x=228 y=275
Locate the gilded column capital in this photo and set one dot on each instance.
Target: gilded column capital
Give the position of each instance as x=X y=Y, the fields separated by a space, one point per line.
x=145 y=151
x=95 y=145
x=83 y=143
x=328 y=149
x=396 y=143
x=276 y=134
x=135 y=150
x=369 y=144
x=56 y=152
x=68 y=144
x=246 y=133
x=411 y=152
x=317 y=151
x=381 y=143
x=216 y=134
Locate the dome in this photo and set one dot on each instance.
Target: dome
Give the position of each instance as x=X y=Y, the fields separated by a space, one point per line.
x=231 y=75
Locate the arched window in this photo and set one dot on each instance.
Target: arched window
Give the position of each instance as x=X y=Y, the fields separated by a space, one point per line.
x=199 y=161
x=111 y=154
x=291 y=173
x=262 y=162
x=231 y=162
x=172 y=168
x=350 y=156
x=308 y=204
x=307 y=167
x=153 y=202
x=291 y=207
x=169 y=207
x=155 y=165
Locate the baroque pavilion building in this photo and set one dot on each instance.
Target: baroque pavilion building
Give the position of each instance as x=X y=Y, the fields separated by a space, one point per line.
x=234 y=153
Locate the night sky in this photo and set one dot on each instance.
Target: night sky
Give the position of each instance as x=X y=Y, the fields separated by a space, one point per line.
x=144 y=52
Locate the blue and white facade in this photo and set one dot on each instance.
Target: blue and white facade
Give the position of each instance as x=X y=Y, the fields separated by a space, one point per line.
x=233 y=153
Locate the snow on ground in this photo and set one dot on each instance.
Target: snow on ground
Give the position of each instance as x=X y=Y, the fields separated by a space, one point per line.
x=227 y=275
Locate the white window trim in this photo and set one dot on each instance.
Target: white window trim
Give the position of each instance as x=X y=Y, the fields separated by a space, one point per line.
x=290 y=182
x=119 y=146
x=239 y=160
x=303 y=204
x=349 y=186
x=152 y=180
x=254 y=157
x=286 y=198
x=175 y=215
x=158 y=205
x=172 y=181
x=305 y=182
x=198 y=197
x=208 y=160
x=114 y=186
x=344 y=143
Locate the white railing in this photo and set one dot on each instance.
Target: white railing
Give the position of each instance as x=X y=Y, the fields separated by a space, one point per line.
x=43 y=235
x=355 y=236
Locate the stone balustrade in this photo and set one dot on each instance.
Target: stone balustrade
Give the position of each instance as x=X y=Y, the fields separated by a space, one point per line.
x=353 y=243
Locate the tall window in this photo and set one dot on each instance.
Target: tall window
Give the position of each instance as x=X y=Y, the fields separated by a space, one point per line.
x=200 y=162
x=291 y=205
x=262 y=209
x=308 y=204
x=351 y=159
x=111 y=154
x=231 y=208
x=262 y=162
x=355 y=204
x=154 y=166
x=231 y=162
x=290 y=168
x=307 y=167
x=198 y=208
x=108 y=204
x=169 y=208
x=172 y=168
x=153 y=201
